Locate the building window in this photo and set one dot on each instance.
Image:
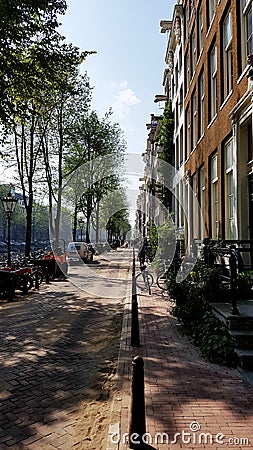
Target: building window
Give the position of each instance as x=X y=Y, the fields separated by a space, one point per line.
x=201 y=98
x=230 y=232
x=202 y=188
x=182 y=204
x=211 y=7
x=181 y=99
x=214 y=199
x=181 y=144
x=176 y=78
x=250 y=143
x=200 y=30
x=193 y=53
x=195 y=227
x=227 y=55
x=177 y=153
x=213 y=83
x=187 y=71
x=194 y=120
x=188 y=134
x=246 y=33
x=180 y=60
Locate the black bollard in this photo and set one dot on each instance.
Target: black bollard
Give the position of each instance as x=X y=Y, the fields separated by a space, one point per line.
x=47 y=275
x=133 y=262
x=11 y=290
x=135 y=336
x=137 y=426
x=37 y=285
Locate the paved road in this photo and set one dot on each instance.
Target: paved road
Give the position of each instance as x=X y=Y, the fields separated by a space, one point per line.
x=95 y=279
x=54 y=345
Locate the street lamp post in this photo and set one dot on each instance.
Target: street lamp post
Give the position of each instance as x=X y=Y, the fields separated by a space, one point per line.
x=9 y=203
x=81 y=225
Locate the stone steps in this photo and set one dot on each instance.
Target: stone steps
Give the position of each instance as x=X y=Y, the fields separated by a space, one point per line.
x=241 y=329
x=246 y=358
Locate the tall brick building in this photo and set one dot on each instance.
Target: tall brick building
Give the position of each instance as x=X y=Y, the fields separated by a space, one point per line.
x=209 y=77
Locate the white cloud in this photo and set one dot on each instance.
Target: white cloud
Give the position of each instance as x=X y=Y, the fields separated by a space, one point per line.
x=124 y=100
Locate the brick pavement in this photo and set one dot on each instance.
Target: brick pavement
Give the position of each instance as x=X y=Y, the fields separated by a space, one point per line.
x=57 y=348
x=184 y=394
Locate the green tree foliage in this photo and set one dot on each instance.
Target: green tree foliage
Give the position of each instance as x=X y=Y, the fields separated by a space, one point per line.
x=57 y=129
x=114 y=215
x=28 y=33
x=165 y=139
x=96 y=156
x=166 y=134
x=38 y=73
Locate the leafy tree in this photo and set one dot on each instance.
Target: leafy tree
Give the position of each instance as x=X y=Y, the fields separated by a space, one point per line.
x=66 y=106
x=114 y=214
x=27 y=45
x=97 y=149
x=37 y=66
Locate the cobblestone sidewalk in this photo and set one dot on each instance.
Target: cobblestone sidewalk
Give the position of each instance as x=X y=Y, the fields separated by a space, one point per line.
x=190 y=403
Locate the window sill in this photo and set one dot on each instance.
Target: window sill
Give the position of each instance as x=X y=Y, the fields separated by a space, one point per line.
x=212 y=121
x=226 y=99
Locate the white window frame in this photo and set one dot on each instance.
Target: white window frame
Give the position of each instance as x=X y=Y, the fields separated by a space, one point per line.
x=202 y=190
x=195 y=218
x=211 y=10
x=194 y=120
x=188 y=133
x=246 y=31
x=200 y=30
x=213 y=82
x=229 y=185
x=193 y=51
x=201 y=105
x=214 y=198
x=227 y=55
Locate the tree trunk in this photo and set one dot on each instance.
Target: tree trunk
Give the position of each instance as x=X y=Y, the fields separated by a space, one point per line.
x=97 y=223
x=75 y=223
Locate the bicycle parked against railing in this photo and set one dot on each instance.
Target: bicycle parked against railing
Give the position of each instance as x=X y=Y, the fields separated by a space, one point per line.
x=168 y=272
x=144 y=279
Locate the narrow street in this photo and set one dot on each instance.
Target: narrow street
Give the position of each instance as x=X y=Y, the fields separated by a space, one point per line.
x=59 y=349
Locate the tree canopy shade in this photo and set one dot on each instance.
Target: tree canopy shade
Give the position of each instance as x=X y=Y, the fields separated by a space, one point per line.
x=38 y=75
x=33 y=54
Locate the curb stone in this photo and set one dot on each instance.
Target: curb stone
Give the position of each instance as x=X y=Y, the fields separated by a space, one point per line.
x=122 y=379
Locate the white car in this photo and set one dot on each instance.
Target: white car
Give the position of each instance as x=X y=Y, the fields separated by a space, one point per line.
x=78 y=252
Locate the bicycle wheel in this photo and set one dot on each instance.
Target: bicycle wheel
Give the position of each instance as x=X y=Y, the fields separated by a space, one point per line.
x=144 y=280
x=162 y=281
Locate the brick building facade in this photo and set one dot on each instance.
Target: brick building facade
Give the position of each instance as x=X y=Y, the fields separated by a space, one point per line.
x=210 y=81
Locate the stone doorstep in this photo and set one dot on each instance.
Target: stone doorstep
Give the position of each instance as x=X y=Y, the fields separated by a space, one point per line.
x=246 y=358
x=240 y=327
x=243 y=338
x=240 y=323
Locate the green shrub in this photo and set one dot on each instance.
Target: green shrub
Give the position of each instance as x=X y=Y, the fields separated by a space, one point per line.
x=193 y=310
x=214 y=340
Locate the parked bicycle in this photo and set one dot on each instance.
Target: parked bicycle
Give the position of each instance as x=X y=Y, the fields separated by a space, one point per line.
x=144 y=279
x=168 y=272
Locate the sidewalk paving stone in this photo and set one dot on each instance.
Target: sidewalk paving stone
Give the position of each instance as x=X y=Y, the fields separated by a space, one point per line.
x=191 y=402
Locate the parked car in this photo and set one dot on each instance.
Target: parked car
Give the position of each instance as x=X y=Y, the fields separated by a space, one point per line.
x=77 y=252
x=102 y=247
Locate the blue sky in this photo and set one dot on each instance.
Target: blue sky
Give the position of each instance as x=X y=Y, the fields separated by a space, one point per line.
x=127 y=71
